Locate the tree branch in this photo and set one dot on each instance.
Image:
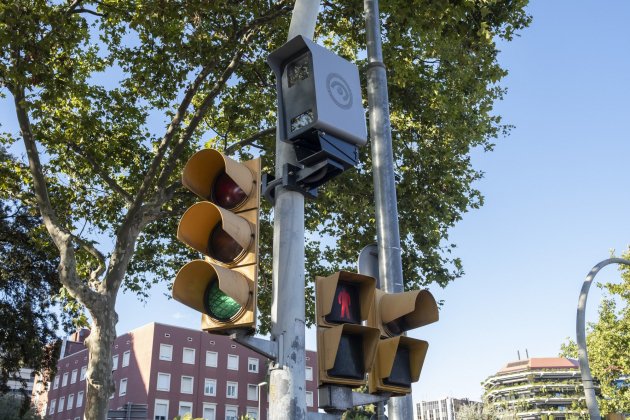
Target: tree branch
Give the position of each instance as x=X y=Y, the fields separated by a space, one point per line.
x=250 y=139
x=84 y=10
x=60 y=236
x=104 y=176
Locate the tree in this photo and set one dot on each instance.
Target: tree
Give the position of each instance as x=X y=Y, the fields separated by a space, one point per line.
x=607 y=342
x=11 y=409
x=113 y=96
x=28 y=279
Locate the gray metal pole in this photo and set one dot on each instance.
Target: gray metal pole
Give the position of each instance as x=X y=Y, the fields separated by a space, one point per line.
x=580 y=333
x=387 y=232
x=287 y=389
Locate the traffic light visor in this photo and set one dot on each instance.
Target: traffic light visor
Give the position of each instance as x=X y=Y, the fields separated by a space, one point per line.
x=398 y=364
x=220 y=293
x=219 y=179
x=215 y=232
x=344 y=297
x=405 y=311
x=349 y=350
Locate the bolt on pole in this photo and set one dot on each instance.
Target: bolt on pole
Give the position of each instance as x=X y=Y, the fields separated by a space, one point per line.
x=580 y=332
x=387 y=230
x=287 y=393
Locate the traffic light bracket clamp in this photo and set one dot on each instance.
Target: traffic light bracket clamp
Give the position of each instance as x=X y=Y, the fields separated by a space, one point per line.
x=337 y=399
x=266 y=348
x=292 y=179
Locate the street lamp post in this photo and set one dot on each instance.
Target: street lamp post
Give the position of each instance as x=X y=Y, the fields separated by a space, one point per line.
x=260 y=385
x=580 y=332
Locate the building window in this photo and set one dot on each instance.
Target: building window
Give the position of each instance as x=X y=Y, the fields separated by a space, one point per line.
x=73 y=377
x=122 y=388
x=252 y=392
x=166 y=352
x=252 y=364
x=80 y=399
x=210 y=387
x=188 y=356
x=125 y=360
x=187 y=385
x=231 y=412
x=184 y=408
x=252 y=413
x=309 y=373
x=163 y=381
x=160 y=411
x=211 y=358
x=232 y=390
x=62 y=401
x=209 y=411
x=56 y=382
x=53 y=404
x=64 y=381
x=309 y=398
x=70 y=401
x=115 y=362
x=167 y=335
x=83 y=372
x=232 y=363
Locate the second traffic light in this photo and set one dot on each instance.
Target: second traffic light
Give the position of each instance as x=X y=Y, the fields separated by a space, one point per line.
x=345 y=349
x=223 y=227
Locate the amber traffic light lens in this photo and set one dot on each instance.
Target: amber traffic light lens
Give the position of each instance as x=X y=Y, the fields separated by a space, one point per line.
x=222 y=247
x=226 y=193
x=219 y=305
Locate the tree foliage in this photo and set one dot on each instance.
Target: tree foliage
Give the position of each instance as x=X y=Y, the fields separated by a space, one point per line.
x=113 y=96
x=29 y=318
x=608 y=344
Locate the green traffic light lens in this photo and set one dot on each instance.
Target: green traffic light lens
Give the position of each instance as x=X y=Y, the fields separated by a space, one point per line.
x=218 y=305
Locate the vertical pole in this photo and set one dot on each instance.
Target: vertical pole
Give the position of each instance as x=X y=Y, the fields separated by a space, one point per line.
x=287 y=390
x=387 y=231
x=580 y=333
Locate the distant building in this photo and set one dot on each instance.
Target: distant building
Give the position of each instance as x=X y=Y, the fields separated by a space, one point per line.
x=174 y=371
x=445 y=409
x=22 y=384
x=538 y=388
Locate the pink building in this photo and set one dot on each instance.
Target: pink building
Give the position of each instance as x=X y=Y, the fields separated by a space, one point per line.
x=174 y=371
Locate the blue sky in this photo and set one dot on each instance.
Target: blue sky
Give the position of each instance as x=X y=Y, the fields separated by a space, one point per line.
x=556 y=195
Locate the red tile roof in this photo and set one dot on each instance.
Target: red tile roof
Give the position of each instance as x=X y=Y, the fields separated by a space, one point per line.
x=540 y=363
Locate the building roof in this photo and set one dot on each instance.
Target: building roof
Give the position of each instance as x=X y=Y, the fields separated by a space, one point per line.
x=540 y=363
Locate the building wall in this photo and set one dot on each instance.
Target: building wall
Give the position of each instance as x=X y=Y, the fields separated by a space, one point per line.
x=144 y=364
x=444 y=409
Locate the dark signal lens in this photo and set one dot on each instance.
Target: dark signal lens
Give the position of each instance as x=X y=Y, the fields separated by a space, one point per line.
x=401 y=370
x=223 y=247
x=226 y=193
x=219 y=305
x=349 y=358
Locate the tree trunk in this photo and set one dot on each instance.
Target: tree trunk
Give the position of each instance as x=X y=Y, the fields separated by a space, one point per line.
x=100 y=385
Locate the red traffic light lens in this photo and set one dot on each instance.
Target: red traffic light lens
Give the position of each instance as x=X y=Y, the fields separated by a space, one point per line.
x=222 y=247
x=226 y=193
x=346 y=306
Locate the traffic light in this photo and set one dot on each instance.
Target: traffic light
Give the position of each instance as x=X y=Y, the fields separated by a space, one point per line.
x=346 y=349
x=399 y=359
x=223 y=227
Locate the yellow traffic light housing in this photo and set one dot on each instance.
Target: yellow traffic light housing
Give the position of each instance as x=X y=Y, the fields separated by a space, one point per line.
x=343 y=298
x=345 y=348
x=395 y=313
x=398 y=364
x=223 y=227
x=346 y=353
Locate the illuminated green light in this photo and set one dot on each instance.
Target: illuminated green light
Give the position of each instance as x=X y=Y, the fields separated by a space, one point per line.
x=219 y=305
